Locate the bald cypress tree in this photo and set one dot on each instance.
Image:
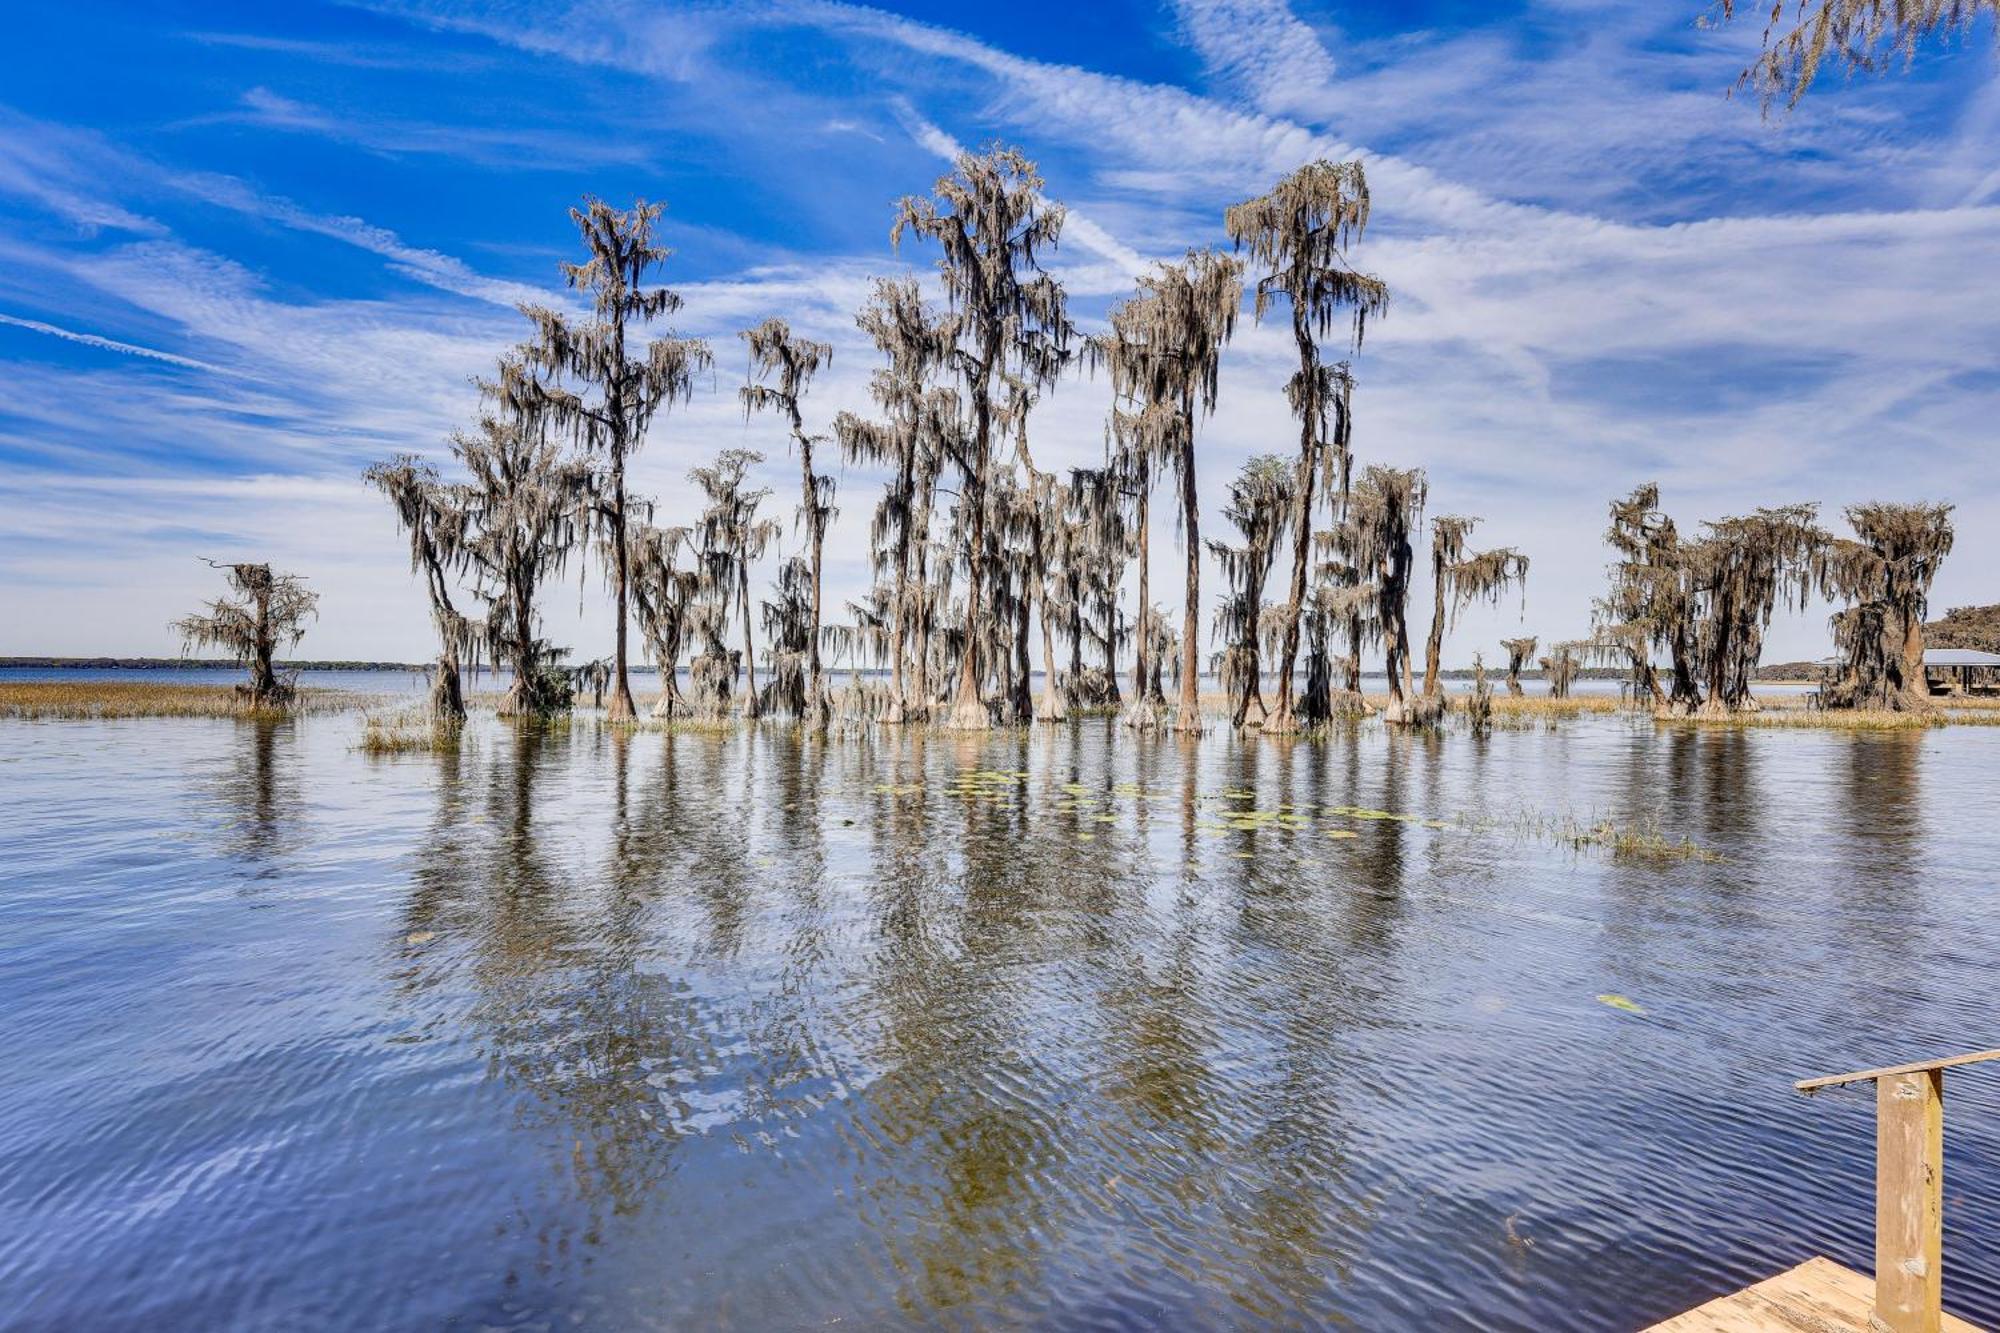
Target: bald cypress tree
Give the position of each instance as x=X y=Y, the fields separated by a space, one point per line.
x=990 y=220
x=1518 y=652
x=1164 y=349
x=1862 y=35
x=916 y=431
x=1299 y=235
x=1388 y=510
x=594 y=380
x=267 y=611
x=1561 y=665
x=1260 y=505
x=528 y=504
x=1884 y=572
x=782 y=365
x=732 y=538
x=1460 y=577
x=436 y=518
x=1741 y=571
x=664 y=595
x=1649 y=607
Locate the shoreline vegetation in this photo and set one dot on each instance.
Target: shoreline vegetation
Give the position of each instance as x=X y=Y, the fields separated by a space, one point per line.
x=396 y=724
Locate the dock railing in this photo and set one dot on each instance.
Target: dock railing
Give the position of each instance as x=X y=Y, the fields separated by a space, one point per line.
x=1909 y=1187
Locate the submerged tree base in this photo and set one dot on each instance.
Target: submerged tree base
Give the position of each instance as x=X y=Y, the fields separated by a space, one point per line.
x=1147 y=713
x=1425 y=710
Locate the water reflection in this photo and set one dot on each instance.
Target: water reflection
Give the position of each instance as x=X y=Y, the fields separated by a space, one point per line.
x=259 y=795
x=1063 y=1028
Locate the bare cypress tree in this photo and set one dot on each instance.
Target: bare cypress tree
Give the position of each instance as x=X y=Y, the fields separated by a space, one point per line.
x=1479 y=708
x=1867 y=35
x=436 y=517
x=1037 y=516
x=1388 y=508
x=1885 y=572
x=664 y=596
x=1300 y=233
x=528 y=505
x=1164 y=350
x=1518 y=652
x=788 y=628
x=732 y=539
x=1136 y=443
x=267 y=612
x=1260 y=505
x=911 y=440
x=1343 y=605
x=1741 y=570
x=1560 y=667
x=1103 y=543
x=1649 y=606
x=590 y=380
x=774 y=351
x=991 y=221
x=1461 y=578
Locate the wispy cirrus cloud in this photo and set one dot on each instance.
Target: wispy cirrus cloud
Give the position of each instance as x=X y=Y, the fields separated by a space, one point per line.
x=110 y=344
x=1603 y=271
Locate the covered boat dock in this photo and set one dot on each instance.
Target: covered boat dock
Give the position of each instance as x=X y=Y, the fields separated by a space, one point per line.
x=1957 y=665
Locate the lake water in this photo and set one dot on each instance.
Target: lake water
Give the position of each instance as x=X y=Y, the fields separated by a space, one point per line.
x=669 y=1030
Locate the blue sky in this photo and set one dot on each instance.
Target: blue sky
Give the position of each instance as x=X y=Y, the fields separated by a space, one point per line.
x=247 y=249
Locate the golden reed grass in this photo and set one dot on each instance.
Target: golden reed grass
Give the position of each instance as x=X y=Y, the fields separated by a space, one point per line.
x=37 y=699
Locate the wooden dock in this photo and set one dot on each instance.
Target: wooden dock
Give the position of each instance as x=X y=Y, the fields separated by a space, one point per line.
x=1819 y=1296
x=1906 y=1293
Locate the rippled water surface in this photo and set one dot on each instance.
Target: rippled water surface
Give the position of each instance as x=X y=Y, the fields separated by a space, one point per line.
x=607 y=1030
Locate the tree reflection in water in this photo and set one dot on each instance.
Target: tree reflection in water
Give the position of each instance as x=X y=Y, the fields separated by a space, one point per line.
x=259 y=794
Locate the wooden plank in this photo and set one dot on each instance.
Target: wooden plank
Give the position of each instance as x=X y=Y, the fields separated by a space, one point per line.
x=1863 y=1075
x=1909 y=1200
x=1819 y=1296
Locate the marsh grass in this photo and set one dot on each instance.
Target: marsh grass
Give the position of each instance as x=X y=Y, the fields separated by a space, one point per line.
x=410 y=731
x=88 y=699
x=1643 y=841
x=1790 y=711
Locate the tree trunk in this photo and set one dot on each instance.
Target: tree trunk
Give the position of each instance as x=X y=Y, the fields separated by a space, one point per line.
x=752 y=705
x=894 y=712
x=968 y=708
x=816 y=712
x=1075 y=639
x=1916 y=684
x=1434 y=647
x=917 y=682
x=621 y=709
x=1050 y=709
x=1145 y=585
x=1112 y=695
x=1188 y=711
x=1281 y=722
x=1021 y=705
x=523 y=699
x=671 y=703
x=447 y=696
